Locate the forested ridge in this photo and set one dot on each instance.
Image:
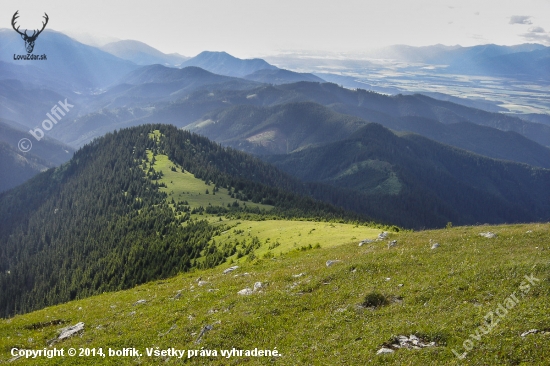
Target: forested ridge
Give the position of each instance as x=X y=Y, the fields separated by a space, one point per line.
x=99 y=223
x=414 y=182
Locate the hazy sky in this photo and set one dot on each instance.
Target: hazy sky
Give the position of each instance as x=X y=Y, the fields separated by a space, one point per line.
x=247 y=28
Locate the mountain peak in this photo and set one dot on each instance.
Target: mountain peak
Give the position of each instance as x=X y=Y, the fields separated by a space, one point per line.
x=225 y=64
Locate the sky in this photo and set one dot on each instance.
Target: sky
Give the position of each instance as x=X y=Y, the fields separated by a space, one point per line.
x=256 y=28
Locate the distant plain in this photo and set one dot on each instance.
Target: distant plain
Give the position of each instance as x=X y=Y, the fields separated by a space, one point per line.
x=508 y=95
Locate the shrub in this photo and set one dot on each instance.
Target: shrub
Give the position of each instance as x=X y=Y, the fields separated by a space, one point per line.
x=375 y=300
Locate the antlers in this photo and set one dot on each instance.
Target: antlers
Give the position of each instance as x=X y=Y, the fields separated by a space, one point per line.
x=15 y=16
x=43 y=24
x=35 y=34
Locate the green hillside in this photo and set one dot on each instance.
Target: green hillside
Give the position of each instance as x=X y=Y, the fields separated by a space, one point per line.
x=314 y=314
x=180 y=185
x=279 y=129
x=415 y=182
x=135 y=206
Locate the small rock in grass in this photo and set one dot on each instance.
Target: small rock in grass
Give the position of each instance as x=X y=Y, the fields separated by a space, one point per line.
x=488 y=235
x=203 y=331
x=410 y=342
x=230 y=269
x=298 y=275
x=202 y=283
x=392 y=244
x=246 y=291
x=242 y=274
x=331 y=262
x=140 y=302
x=168 y=331
x=435 y=245
x=383 y=235
x=384 y=350
x=365 y=241
x=397 y=299
x=531 y=331
x=257 y=286
x=70 y=331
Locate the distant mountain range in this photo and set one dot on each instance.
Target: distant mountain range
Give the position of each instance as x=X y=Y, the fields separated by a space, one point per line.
x=142 y=54
x=28 y=104
x=242 y=114
x=390 y=110
x=522 y=61
x=256 y=107
x=289 y=127
x=251 y=69
x=445 y=55
x=73 y=65
x=16 y=166
x=281 y=76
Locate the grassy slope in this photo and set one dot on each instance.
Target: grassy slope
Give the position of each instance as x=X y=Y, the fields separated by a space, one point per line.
x=316 y=318
x=185 y=187
x=289 y=234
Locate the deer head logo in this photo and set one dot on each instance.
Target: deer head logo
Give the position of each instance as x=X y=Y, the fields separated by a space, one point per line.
x=29 y=40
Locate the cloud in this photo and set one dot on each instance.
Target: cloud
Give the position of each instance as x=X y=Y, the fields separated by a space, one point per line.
x=538 y=35
x=520 y=19
x=478 y=37
x=536 y=30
